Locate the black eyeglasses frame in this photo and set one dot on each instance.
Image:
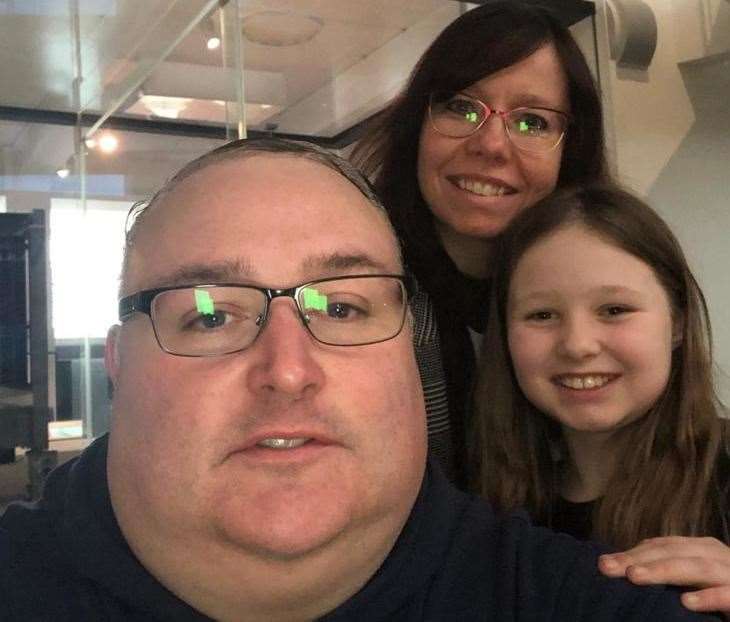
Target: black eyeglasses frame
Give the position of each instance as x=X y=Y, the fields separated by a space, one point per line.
x=141 y=302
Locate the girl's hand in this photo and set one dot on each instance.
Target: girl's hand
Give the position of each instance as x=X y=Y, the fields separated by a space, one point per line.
x=702 y=563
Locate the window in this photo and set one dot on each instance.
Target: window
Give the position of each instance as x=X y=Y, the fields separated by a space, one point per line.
x=85 y=259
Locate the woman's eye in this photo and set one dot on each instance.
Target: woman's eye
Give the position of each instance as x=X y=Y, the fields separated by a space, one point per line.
x=463 y=107
x=529 y=123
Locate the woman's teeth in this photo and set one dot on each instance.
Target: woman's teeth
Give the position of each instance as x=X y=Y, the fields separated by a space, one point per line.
x=282 y=443
x=583 y=382
x=481 y=188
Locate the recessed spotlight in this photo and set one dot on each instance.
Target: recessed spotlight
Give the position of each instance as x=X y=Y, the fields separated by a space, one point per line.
x=213 y=43
x=108 y=143
x=63 y=172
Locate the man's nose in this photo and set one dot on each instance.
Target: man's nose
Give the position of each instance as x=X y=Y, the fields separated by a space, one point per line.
x=579 y=338
x=284 y=357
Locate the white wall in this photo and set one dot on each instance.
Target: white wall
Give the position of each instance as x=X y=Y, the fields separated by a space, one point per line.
x=671 y=139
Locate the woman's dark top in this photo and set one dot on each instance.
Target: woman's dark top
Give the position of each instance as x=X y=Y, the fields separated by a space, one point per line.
x=447 y=305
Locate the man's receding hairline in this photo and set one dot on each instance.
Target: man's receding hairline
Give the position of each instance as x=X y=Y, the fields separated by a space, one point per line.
x=225 y=157
x=238 y=150
x=372 y=202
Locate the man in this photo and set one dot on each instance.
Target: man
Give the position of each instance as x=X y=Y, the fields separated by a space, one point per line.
x=267 y=455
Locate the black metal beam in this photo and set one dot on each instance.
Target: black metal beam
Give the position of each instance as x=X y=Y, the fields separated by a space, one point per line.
x=569 y=12
x=169 y=128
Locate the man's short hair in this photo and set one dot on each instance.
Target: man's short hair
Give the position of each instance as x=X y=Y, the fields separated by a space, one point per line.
x=246 y=147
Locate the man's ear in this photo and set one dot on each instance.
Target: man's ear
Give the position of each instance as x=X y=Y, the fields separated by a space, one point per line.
x=111 y=353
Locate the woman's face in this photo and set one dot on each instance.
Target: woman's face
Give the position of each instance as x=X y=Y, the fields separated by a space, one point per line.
x=590 y=331
x=477 y=184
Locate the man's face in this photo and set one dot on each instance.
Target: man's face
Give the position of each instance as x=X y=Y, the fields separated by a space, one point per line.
x=184 y=458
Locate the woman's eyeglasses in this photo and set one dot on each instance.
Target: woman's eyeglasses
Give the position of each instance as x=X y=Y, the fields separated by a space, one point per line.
x=529 y=128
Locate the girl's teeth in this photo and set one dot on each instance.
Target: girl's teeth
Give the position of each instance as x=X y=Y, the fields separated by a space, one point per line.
x=282 y=443
x=584 y=382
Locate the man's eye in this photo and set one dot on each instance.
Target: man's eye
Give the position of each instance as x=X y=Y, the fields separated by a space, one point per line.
x=344 y=311
x=217 y=320
x=211 y=320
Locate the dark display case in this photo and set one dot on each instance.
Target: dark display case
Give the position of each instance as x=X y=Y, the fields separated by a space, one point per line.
x=24 y=406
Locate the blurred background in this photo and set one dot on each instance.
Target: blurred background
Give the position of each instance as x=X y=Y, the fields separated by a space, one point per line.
x=102 y=100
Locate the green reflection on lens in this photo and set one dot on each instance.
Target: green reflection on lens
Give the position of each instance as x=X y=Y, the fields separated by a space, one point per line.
x=204 y=302
x=314 y=300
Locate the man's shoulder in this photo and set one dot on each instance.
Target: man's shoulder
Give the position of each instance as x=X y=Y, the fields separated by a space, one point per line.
x=32 y=568
x=25 y=527
x=37 y=575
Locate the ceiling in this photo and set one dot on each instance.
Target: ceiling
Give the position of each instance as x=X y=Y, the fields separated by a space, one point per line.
x=312 y=68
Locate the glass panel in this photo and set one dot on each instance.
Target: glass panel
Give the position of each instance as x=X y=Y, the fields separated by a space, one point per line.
x=121 y=47
x=318 y=68
x=36 y=50
x=111 y=181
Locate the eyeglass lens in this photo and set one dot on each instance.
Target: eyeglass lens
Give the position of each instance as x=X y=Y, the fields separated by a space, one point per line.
x=211 y=320
x=534 y=129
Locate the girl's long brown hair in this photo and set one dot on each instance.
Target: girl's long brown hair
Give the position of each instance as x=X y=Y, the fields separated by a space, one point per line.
x=665 y=480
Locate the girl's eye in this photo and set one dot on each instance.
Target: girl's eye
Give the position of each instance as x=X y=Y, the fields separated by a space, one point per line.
x=540 y=316
x=615 y=310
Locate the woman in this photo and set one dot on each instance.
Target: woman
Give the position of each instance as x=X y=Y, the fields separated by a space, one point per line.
x=596 y=409
x=452 y=174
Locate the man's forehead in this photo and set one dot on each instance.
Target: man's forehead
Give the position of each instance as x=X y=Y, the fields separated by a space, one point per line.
x=253 y=181
x=236 y=219
x=243 y=270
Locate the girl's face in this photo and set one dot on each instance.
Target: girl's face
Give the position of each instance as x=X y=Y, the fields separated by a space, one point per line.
x=477 y=184
x=590 y=331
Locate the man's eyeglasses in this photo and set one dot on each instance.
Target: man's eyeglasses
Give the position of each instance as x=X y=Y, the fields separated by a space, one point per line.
x=211 y=320
x=530 y=129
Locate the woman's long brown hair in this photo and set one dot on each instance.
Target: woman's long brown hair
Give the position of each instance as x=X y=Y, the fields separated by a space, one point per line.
x=665 y=480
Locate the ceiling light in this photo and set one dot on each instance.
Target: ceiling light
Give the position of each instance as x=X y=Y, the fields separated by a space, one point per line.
x=280 y=29
x=108 y=143
x=63 y=172
x=165 y=107
x=90 y=143
x=214 y=43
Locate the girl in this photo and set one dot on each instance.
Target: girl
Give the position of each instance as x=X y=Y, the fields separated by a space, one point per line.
x=595 y=407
